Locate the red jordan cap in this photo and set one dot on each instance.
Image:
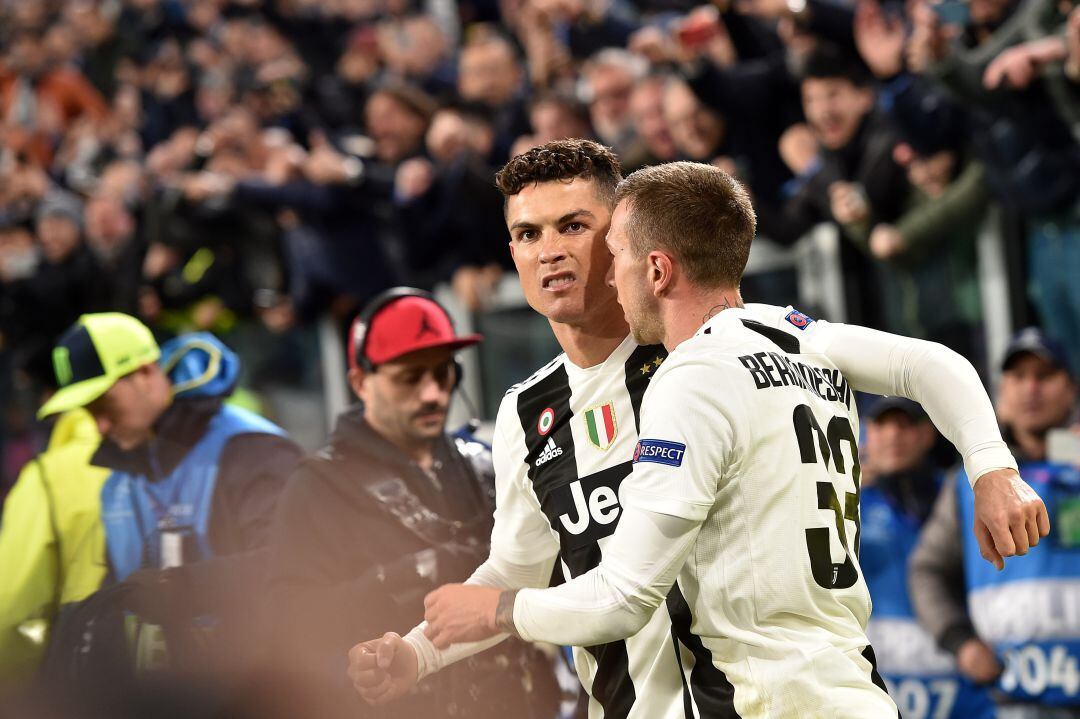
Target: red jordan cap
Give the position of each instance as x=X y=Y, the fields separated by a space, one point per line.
x=406 y=325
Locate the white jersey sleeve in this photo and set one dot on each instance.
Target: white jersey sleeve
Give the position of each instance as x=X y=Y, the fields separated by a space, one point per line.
x=685 y=440
x=943 y=382
x=522 y=553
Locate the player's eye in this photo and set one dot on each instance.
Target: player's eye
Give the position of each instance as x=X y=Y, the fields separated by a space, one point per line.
x=526 y=236
x=575 y=227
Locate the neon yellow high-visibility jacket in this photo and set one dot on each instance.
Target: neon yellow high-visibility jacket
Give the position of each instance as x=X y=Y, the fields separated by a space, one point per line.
x=52 y=544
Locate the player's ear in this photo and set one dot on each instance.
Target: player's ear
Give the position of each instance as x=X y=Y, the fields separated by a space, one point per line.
x=661 y=272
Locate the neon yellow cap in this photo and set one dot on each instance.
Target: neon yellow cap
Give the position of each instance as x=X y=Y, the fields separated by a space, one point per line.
x=95 y=352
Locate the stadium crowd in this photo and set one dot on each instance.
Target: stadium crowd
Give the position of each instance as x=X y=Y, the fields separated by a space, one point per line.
x=206 y=164
x=243 y=167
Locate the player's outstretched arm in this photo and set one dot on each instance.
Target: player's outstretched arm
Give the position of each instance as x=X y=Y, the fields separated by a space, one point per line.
x=379 y=684
x=1009 y=516
x=664 y=502
x=613 y=601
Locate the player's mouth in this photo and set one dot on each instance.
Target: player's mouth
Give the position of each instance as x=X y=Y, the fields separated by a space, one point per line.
x=558 y=281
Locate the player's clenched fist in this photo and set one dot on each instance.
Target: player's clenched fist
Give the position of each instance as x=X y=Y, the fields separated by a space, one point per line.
x=383 y=669
x=460 y=613
x=1009 y=516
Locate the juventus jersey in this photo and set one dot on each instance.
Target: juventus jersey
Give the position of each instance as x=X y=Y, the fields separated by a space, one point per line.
x=564 y=443
x=749 y=444
x=734 y=571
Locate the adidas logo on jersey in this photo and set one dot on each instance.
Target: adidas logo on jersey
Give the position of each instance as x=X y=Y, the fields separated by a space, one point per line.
x=550 y=452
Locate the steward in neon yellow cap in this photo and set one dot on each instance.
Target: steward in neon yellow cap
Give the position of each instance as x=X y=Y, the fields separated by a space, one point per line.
x=191 y=479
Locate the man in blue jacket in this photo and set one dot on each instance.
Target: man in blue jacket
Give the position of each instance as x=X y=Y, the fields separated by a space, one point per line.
x=1019 y=628
x=900 y=482
x=193 y=481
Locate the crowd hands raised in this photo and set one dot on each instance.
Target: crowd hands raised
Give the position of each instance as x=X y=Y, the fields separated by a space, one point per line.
x=212 y=164
x=203 y=164
x=317 y=153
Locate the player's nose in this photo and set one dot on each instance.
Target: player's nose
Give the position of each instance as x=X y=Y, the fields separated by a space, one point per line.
x=551 y=249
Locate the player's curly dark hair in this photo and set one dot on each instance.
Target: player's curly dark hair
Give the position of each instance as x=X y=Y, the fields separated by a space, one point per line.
x=562 y=160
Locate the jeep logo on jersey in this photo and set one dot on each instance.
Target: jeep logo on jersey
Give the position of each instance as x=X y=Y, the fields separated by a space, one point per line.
x=545 y=422
x=602 y=507
x=585 y=511
x=550 y=452
x=659 y=451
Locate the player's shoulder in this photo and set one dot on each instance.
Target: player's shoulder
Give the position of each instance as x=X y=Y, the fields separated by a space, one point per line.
x=783 y=328
x=786 y=318
x=703 y=367
x=536 y=377
x=507 y=420
x=723 y=341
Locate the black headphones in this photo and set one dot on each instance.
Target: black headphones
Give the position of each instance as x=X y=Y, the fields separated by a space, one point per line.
x=358 y=331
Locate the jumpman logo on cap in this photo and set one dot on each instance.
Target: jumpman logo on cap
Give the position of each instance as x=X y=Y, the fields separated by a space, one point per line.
x=426 y=328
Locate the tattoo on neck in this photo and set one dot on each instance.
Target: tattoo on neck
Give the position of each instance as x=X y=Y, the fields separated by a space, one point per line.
x=716 y=309
x=504 y=612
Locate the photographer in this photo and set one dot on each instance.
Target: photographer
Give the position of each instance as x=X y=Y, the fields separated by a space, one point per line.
x=391 y=508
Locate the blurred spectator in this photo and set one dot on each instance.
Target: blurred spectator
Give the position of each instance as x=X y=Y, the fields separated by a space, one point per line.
x=389 y=510
x=489 y=73
x=64 y=284
x=647 y=111
x=1019 y=126
x=348 y=244
x=52 y=546
x=757 y=98
x=855 y=182
x=608 y=80
x=925 y=260
x=192 y=482
x=40 y=98
x=553 y=117
x=340 y=96
x=453 y=222
x=1012 y=627
x=697 y=131
x=899 y=485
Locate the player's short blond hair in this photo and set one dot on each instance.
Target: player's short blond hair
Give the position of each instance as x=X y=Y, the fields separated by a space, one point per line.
x=698 y=213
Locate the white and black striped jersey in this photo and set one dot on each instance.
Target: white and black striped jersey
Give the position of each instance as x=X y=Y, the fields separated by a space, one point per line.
x=564 y=442
x=744 y=497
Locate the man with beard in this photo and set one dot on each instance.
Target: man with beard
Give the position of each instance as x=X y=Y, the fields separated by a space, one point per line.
x=565 y=444
x=390 y=508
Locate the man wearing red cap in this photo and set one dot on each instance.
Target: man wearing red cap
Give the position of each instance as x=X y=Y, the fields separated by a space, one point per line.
x=389 y=509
